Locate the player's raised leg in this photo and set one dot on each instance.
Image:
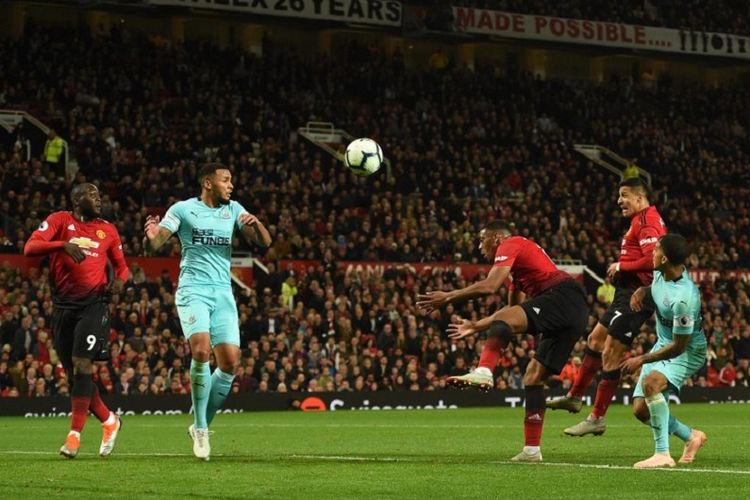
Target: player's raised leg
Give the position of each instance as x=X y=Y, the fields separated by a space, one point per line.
x=505 y=323
x=605 y=390
x=693 y=443
x=592 y=363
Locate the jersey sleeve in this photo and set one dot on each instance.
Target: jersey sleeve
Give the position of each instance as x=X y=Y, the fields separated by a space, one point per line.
x=46 y=238
x=49 y=229
x=237 y=210
x=506 y=253
x=172 y=218
x=648 y=236
x=114 y=252
x=683 y=312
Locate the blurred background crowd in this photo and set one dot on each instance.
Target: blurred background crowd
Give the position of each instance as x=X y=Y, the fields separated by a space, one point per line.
x=465 y=146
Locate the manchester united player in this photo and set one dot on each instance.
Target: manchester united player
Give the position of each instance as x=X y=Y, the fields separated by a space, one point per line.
x=542 y=300
x=79 y=245
x=614 y=333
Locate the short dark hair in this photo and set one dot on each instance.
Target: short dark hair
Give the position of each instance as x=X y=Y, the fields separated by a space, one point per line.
x=498 y=225
x=675 y=247
x=79 y=190
x=209 y=169
x=636 y=184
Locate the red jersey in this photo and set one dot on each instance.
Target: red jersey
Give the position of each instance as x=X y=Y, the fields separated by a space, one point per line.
x=636 y=254
x=80 y=284
x=532 y=270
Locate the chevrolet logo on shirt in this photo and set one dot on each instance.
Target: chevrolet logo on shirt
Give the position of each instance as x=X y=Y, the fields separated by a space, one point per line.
x=84 y=242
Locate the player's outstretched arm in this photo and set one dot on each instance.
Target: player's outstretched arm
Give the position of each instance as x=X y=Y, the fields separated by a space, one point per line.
x=672 y=350
x=460 y=328
x=155 y=235
x=254 y=230
x=430 y=301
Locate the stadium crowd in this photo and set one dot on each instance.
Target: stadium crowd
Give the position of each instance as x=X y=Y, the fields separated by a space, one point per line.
x=464 y=147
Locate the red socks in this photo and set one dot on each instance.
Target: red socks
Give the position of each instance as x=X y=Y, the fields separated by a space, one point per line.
x=97 y=406
x=80 y=405
x=604 y=392
x=534 y=420
x=83 y=386
x=592 y=363
x=493 y=349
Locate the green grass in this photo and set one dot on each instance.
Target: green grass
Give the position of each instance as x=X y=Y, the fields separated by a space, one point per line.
x=357 y=454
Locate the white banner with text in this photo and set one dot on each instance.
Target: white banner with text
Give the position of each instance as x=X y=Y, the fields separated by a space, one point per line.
x=373 y=12
x=599 y=33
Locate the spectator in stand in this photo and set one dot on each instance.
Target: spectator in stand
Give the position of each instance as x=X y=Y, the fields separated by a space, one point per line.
x=605 y=293
x=54 y=154
x=569 y=372
x=727 y=375
x=25 y=339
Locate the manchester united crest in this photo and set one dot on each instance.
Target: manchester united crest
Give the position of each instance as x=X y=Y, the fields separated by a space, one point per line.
x=101 y=234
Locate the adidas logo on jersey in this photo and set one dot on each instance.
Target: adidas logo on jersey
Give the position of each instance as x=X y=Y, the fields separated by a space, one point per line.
x=71 y=227
x=536 y=309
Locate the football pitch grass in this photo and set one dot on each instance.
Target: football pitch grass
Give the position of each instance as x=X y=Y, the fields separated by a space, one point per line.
x=371 y=454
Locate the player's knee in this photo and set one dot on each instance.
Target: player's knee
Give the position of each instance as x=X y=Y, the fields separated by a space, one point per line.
x=640 y=410
x=229 y=365
x=652 y=385
x=201 y=354
x=534 y=374
x=82 y=365
x=501 y=331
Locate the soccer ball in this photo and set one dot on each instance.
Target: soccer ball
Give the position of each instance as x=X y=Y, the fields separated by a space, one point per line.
x=363 y=156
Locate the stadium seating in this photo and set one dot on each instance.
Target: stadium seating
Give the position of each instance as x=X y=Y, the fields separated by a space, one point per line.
x=459 y=157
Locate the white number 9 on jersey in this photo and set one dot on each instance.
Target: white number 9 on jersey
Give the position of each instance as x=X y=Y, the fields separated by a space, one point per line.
x=91 y=341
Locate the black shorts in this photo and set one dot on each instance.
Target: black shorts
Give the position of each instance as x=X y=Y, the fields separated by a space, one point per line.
x=81 y=332
x=560 y=317
x=621 y=322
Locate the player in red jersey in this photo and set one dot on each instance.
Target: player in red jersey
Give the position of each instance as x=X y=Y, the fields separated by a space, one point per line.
x=79 y=245
x=542 y=300
x=614 y=333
